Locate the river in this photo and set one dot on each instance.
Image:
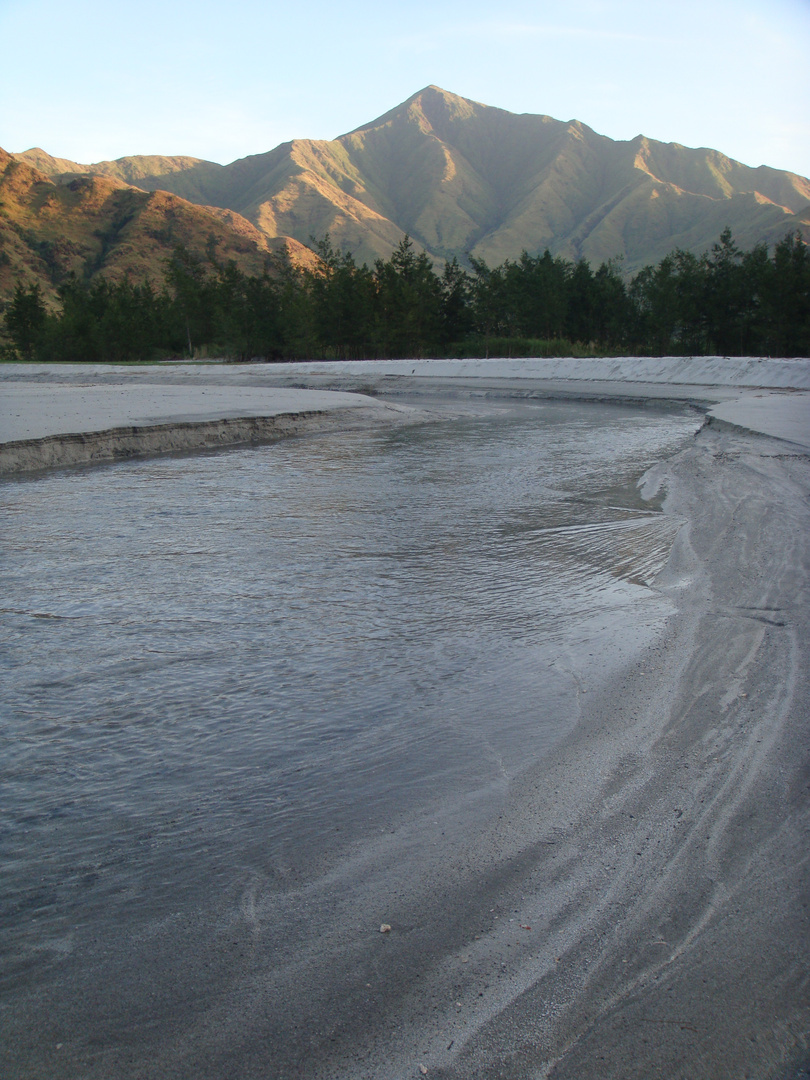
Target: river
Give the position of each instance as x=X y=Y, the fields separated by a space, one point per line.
x=229 y=677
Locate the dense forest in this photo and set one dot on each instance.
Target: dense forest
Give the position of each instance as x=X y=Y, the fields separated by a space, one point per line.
x=725 y=302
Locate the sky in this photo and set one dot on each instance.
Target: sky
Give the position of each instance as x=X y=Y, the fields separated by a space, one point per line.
x=92 y=80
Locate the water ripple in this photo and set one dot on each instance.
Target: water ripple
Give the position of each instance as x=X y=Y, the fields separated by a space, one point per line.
x=256 y=658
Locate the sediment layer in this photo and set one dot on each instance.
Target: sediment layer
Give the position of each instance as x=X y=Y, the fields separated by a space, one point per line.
x=116 y=444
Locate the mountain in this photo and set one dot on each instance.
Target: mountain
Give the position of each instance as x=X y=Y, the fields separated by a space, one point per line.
x=96 y=224
x=463 y=177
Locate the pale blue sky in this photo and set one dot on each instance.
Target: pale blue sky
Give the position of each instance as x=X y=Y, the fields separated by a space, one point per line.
x=90 y=80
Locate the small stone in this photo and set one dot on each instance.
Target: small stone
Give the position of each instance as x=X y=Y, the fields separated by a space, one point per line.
x=385 y=928
x=423 y=1070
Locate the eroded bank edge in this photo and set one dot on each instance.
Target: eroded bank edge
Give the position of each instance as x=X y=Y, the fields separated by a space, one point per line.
x=136 y=441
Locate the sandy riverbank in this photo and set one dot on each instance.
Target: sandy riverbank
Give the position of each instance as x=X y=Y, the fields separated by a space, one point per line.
x=51 y=420
x=660 y=853
x=640 y=909
x=54 y=415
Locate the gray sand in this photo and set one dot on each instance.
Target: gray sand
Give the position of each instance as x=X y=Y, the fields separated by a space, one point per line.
x=641 y=909
x=671 y=897
x=77 y=416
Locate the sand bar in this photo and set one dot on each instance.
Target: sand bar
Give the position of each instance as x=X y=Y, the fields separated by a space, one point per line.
x=95 y=415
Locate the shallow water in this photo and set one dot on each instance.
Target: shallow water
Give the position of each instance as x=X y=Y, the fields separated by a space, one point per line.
x=250 y=662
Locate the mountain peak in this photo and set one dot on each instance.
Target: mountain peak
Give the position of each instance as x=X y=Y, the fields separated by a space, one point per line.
x=431 y=103
x=442 y=105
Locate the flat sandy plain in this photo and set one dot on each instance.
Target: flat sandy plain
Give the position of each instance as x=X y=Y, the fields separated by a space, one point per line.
x=641 y=908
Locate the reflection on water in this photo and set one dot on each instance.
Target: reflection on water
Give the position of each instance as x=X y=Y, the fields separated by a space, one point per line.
x=255 y=658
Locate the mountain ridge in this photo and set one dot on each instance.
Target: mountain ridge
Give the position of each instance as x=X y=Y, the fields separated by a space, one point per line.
x=460 y=177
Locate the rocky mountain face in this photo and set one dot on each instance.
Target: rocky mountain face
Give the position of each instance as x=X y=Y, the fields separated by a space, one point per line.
x=459 y=177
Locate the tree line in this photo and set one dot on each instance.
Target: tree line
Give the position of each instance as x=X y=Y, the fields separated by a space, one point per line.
x=726 y=302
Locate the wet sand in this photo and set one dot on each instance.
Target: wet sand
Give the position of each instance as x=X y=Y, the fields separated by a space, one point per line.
x=660 y=854
x=640 y=909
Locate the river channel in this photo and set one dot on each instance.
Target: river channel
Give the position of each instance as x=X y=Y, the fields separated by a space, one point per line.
x=228 y=674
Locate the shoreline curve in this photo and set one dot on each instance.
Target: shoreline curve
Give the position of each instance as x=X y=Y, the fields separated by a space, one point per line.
x=63 y=415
